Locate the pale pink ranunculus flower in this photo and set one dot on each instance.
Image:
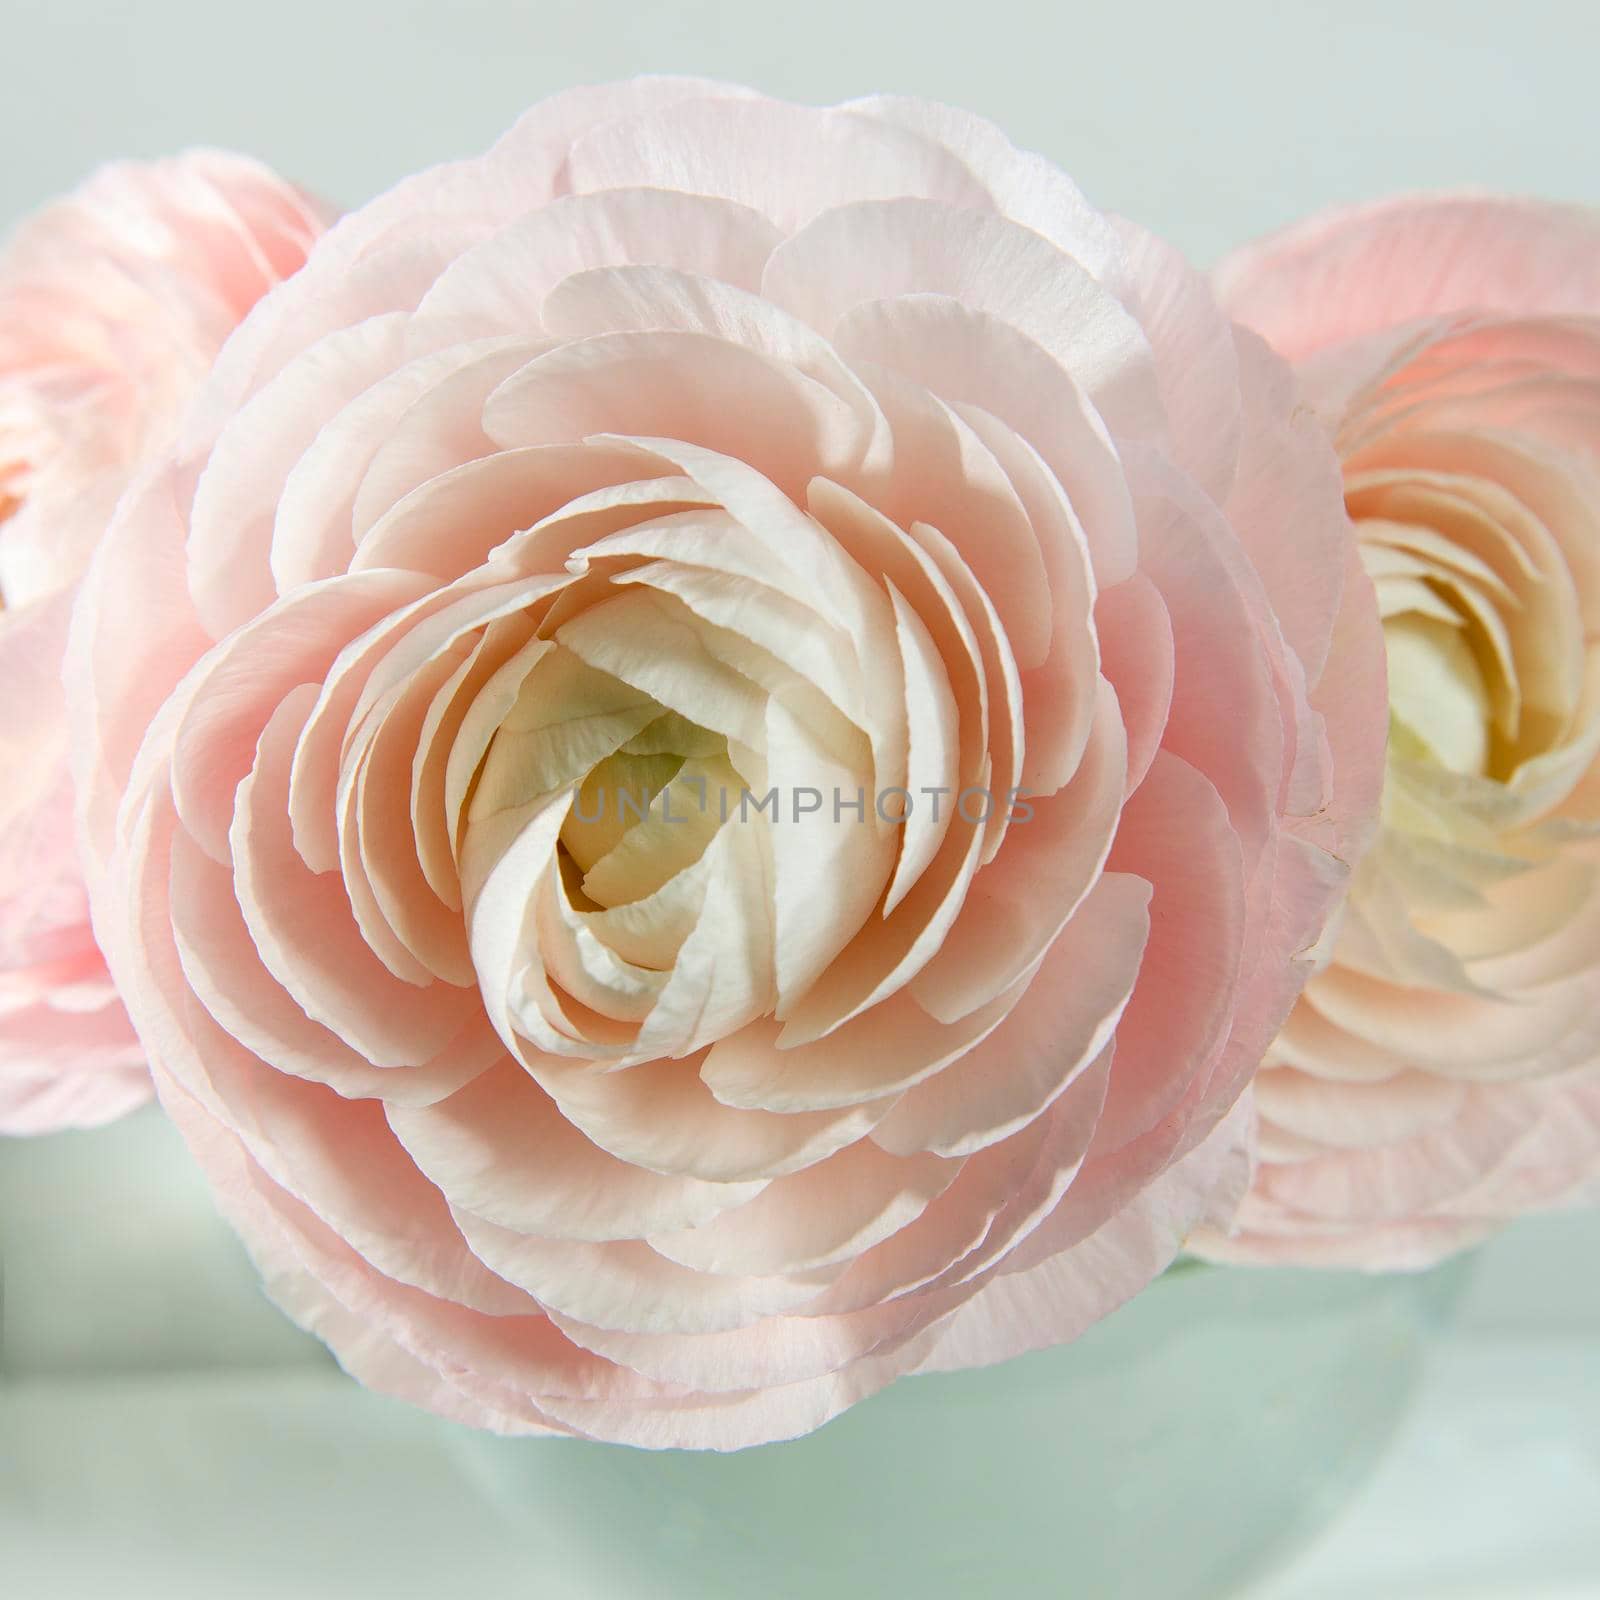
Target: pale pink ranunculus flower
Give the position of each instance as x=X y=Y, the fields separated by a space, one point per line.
x=113 y=303
x=1443 y=1074
x=687 y=453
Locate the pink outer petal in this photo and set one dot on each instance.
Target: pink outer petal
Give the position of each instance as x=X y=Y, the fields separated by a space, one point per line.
x=779 y=1351
x=486 y=1371
x=819 y=1218
x=293 y=1129
x=471 y=1146
x=1495 y=1151
x=1184 y=1003
x=887 y=249
x=134 y=635
x=1024 y=186
x=976 y=361
x=1063 y=1020
x=1288 y=477
x=1346 y=274
x=1057 y=1298
x=112 y=304
x=302 y=926
x=661 y=1115
x=1547 y=1136
x=1195 y=363
x=33 y=746
x=65 y=1067
x=236 y=494
x=1137 y=654
x=1019 y=903
x=506 y=281
x=68 y=1055
x=238 y=687
x=1352 y=698
x=1227 y=718
x=789 y=162
x=224 y=966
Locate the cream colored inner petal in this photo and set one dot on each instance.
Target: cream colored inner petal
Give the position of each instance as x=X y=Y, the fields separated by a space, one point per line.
x=1437 y=688
x=657 y=922
x=1532 y=591
x=1472 y=891
x=615 y=796
x=646 y=738
x=1474 y=631
x=683 y=817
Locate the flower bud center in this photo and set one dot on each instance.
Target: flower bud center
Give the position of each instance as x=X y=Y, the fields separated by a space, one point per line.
x=645 y=813
x=1438 y=690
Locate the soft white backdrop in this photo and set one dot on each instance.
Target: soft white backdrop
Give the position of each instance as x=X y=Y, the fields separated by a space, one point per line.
x=1209 y=120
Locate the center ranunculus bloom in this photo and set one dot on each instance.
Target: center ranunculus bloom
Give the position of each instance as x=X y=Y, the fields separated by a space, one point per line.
x=697 y=794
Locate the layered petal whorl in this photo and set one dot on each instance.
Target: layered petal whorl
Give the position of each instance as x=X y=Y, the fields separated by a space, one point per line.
x=113 y=302
x=698 y=793
x=1443 y=1074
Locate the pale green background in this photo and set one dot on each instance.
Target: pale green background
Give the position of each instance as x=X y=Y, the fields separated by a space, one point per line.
x=1207 y=119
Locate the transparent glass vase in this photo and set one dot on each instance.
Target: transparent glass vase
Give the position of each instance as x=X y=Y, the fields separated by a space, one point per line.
x=1180 y=1449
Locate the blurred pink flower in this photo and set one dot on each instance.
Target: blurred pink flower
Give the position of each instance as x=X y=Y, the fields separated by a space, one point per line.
x=112 y=304
x=1443 y=1073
